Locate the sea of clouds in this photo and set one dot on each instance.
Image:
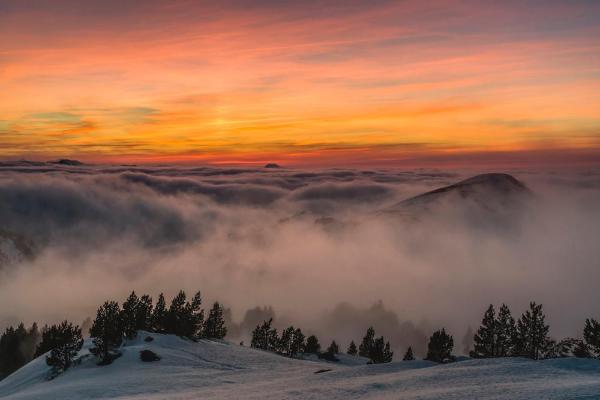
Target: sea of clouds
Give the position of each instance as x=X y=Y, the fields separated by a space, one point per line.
x=316 y=245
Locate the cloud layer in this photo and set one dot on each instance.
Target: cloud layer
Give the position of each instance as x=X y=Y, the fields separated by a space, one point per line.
x=319 y=246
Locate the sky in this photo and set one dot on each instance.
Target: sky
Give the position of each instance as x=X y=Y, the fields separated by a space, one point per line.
x=311 y=83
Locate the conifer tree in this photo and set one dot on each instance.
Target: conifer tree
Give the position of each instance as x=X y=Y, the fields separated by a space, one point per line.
x=364 y=350
x=175 y=319
x=484 y=341
x=285 y=341
x=505 y=332
x=265 y=337
x=107 y=331
x=532 y=339
x=408 y=356
x=214 y=326
x=388 y=354
x=143 y=317
x=195 y=317
x=333 y=348
x=159 y=315
x=591 y=335
x=380 y=351
x=352 y=350
x=439 y=348
x=128 y=315
x=312 y=345
x=298 y=343
x=67 y=343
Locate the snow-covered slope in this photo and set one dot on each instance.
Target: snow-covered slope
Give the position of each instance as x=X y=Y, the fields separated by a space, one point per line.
x=216 y=370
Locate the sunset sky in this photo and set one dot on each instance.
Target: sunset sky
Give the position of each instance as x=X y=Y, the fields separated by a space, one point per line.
x=334 y=83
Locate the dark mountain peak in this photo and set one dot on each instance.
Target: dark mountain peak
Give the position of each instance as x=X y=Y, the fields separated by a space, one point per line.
x=488 y=200
x=66 y=161
x=272 y=165
x=491 y=186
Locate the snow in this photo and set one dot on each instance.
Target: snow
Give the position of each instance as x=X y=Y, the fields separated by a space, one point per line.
x=222 y=370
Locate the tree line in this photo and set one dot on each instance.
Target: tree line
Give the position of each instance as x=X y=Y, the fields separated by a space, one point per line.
x=113 y=325
x=499 y=335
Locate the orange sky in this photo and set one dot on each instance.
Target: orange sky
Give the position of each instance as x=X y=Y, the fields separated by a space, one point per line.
x=301 y=83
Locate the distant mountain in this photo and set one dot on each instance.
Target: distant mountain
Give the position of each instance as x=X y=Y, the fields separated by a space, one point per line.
x=29 y=163
x=487 y=198
x=66 y=161
x=272 y=165
x=479 y=188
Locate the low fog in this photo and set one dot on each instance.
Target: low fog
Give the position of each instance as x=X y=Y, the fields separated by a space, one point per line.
x=332 y=251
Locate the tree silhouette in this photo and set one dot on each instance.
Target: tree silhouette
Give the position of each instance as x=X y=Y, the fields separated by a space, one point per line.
x=67 y=341
x=505 y=332
x=312 y=345
x=107 y=332
x=439 y=348
x=484 y=341
x=214 y=326
x=531 y=338
x=364 y=350
x=159 y=315
x=352 y=351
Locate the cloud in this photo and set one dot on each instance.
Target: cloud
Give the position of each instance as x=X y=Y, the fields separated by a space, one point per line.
x=302 y=241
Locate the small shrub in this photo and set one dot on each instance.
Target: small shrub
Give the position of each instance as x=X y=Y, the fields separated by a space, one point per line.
x=109 y=358
x=148 y=339
x=148 y=356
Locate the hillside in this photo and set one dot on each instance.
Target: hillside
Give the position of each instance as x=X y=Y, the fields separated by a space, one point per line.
x=488 y=200
x=220 y=370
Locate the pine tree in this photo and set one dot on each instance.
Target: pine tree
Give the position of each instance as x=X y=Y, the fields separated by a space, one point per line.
x=185 y=318
x=107 y=332
x=128 y=315
x=352 y=350
x=388 y=354
x=532 y=333
x=364 y=350
x=175 y=319
x=143 y=316
x=265 y=337
x=408 y=356
x=195 y=318
x=68 y=342
x=484 y=341
x=285 y=341
x=591 y=335
x=159 y=315
x=298 y=343
x=214 y=326
x=505 y=332
x=439 y=348
x=312 y=345
x=381 y=352
x=333 y=348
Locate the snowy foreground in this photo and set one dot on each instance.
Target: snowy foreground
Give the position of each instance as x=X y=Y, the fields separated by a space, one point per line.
x=221 y=370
